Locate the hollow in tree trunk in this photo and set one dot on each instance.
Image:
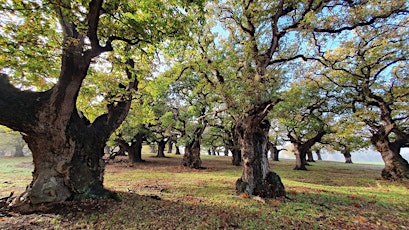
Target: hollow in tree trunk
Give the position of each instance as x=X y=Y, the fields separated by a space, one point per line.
x=256 y=179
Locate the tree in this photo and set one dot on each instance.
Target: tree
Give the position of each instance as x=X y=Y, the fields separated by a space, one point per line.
x=67 y=147
x=371 y=69
x=193 y=98
x=347 y=136
x=306 y=113
x=276 y=139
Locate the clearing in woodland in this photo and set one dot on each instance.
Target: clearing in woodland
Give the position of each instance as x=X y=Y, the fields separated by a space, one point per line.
x=162 y=194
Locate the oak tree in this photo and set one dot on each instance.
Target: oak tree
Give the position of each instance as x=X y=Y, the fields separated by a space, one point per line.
x=50 y=46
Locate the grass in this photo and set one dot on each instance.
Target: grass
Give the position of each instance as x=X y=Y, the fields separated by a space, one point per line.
x=161 y=194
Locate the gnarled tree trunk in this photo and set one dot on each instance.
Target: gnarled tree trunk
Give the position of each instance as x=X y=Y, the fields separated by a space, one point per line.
x=273 y=151
x=300 y=157
x=191 y=158
x=161 y=148
x=347 y=156
x=302 y=148
x=256 y=179
x=67 y=149
x=135 y=150
x=396 y=167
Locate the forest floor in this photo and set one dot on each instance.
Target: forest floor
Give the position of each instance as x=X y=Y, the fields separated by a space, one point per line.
x=161 y=194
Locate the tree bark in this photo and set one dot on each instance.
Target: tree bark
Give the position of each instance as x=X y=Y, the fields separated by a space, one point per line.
x=274 y=151
x=310 y=157
x=347 y=155
x=135 y=150
x=226 y=151
x=256 y=179
x=161 y=149
x=300 y=157
x=396 y=167
x=237 y=159
x=235 y=148
x=170 y=146
x=177 y=151
x=191 y=158
x=319 y=157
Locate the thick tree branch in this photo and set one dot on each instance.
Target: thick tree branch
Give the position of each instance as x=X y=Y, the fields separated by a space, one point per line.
x=18 y=108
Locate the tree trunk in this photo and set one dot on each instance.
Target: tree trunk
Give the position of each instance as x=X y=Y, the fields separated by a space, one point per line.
x=310 y=156
x=135 y=150
x=177 y=151
x=153 y=147
x=235 y=148
x=302 y=148
x=274 y=151
x=226 y=151
x=348 y=157
x=170 y=146
x=396 y=167
x=319 y=157
x=300 y=154
x=213 y=150
x=19 y=149
x=237 y=159
x=68 y=164
x=191 y=158
x=161 y=149
x=256 y=179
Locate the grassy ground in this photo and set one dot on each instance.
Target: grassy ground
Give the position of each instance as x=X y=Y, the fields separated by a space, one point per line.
x=161 y=194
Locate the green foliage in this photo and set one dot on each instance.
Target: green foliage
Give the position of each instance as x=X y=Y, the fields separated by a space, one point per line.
x=305 y=110
x=369 y=72
x=30 y=43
